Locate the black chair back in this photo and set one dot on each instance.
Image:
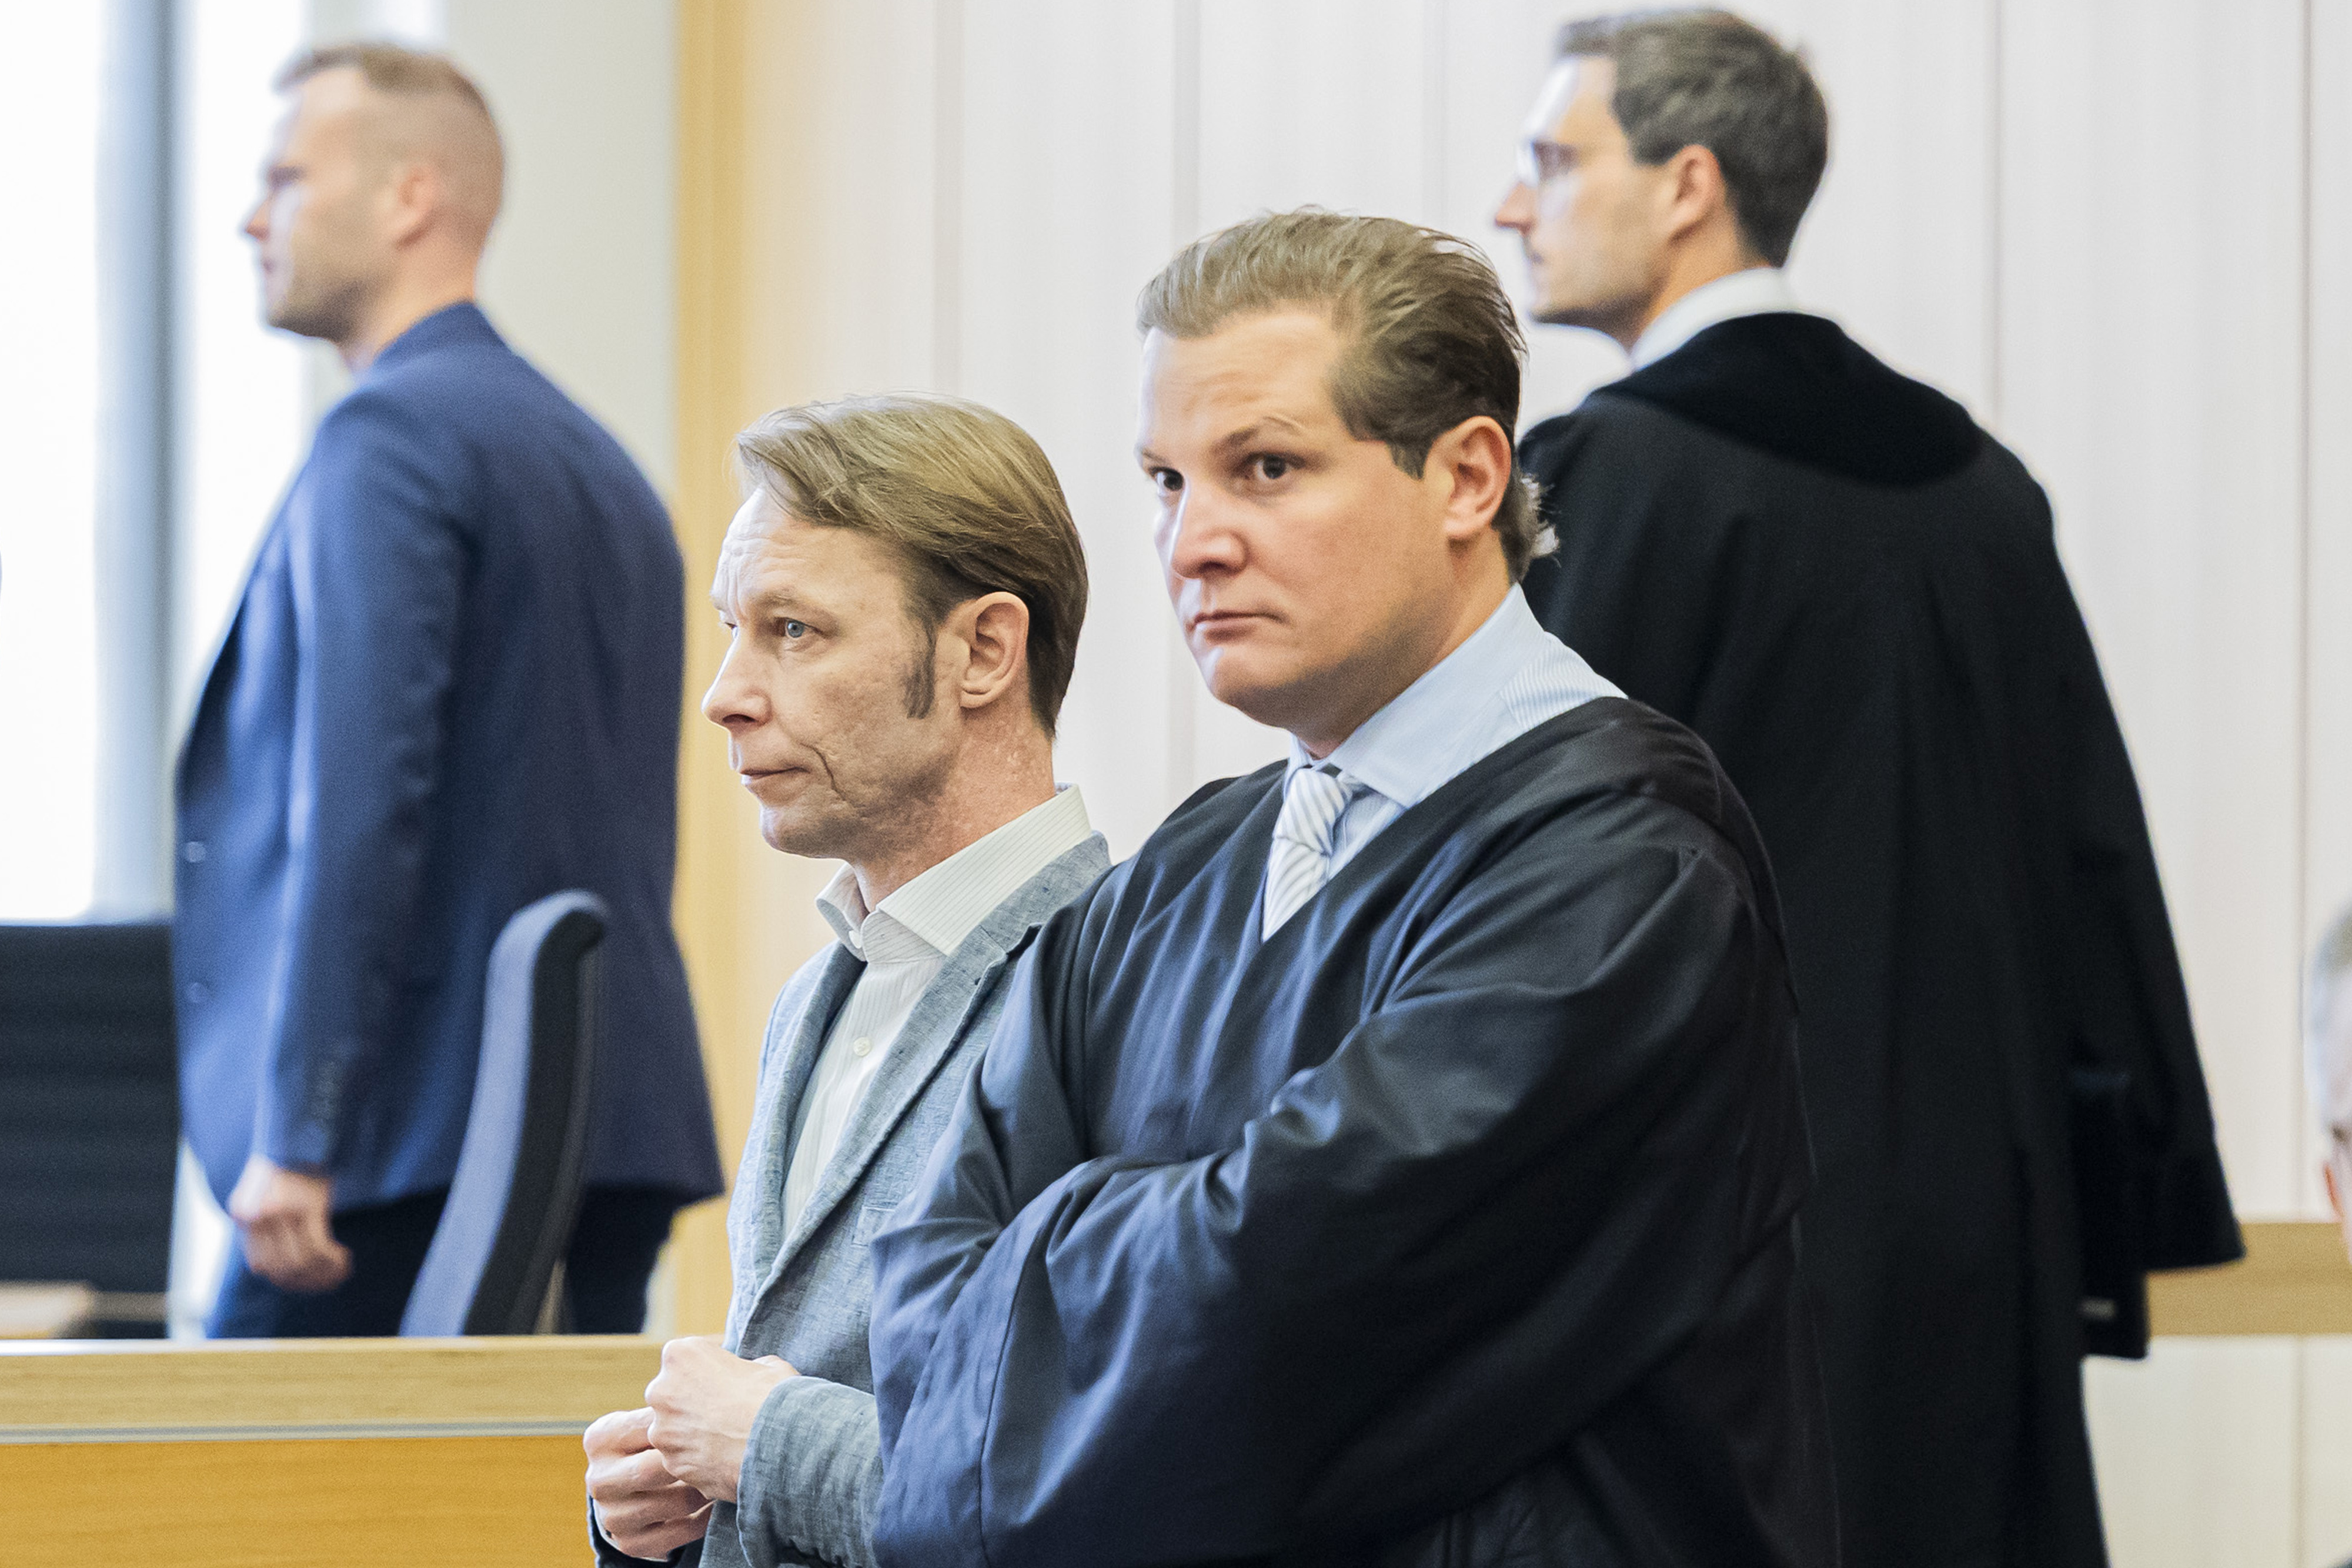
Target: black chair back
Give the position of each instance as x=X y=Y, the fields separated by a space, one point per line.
x=90 y=1106
x=517 y=1191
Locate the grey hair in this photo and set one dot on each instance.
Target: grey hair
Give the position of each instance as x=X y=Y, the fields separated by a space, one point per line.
x=1708 y=78
x=2331 y=962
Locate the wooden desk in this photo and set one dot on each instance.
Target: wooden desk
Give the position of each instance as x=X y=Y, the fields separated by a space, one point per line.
x=292 y=1453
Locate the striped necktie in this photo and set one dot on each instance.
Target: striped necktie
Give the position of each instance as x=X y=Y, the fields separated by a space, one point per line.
x=1312 y=799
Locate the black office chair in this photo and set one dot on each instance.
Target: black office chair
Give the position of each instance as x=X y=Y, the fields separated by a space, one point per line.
x=493 y=1266
x=90 y=1114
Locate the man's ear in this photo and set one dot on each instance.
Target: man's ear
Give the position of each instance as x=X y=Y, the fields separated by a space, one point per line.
x=414 y=194
x=1694 y=191
x=995 y=631
x=1473 y=461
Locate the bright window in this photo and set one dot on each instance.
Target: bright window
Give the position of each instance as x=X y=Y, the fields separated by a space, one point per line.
x=50 y=95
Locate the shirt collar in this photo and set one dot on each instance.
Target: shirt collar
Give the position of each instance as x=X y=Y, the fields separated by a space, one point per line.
x=1756 y=291
x=1413 y=744
x=929 y=916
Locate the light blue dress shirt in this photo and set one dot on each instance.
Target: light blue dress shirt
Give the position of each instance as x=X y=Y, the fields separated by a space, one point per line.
x=1506 y=678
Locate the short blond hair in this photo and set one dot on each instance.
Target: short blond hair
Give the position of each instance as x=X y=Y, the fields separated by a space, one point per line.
x=963 y=496
x=468 y=132
x=1431 y=336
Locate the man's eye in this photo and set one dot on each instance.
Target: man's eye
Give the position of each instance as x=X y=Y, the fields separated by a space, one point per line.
x=1268 y=467
x=795 y=630
x=1167 y=481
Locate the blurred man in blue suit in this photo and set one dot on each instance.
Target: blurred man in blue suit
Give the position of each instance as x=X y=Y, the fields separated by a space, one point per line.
x=452 y=687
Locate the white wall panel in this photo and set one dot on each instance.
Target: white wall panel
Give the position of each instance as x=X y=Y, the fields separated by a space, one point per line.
x=2149 y=359
x=2327 y=689
x=2197 y=1453
x=579 y=275
x=1328 y=101
x=1897 y=245
x=2326 y=1452
x=1069 y=205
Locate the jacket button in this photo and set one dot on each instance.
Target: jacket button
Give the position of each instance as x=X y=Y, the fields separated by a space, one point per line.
x=193 y=850
x=198 y=993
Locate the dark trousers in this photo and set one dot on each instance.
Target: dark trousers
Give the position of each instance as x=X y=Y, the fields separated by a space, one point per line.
x=613 y=1245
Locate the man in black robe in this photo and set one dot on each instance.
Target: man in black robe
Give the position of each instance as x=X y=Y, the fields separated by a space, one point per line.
x=1394 y=1161
x=1853 y=594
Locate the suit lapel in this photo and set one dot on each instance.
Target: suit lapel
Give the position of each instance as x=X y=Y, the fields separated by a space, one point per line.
x=942 y=1017
x=933 y=1030
x=224 y=641
x=800 y=1048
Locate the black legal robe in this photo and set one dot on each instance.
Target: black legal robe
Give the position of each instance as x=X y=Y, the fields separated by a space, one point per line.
x=1452 y=1225
x=1853 y=594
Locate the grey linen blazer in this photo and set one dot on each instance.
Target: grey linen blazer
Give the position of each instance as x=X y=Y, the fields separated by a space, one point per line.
x=812 y=1472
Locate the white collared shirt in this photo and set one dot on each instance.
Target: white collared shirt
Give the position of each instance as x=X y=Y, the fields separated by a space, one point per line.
x=1506 y=678
x=1756 y=291
x=904 y=940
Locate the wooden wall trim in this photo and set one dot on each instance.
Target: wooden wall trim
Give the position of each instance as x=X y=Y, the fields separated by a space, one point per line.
x=712 y=41
x=2295 y=1279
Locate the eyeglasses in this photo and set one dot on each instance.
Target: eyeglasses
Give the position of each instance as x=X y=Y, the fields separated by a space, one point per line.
x=1541 y=161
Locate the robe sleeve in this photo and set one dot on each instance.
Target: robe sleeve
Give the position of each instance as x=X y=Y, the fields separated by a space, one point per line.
x=1518 y=1185
x=2130 y=1004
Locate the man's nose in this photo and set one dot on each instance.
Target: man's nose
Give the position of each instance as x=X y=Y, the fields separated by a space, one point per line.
x=733 y=701
x=1201 y=538
x=1519 y=208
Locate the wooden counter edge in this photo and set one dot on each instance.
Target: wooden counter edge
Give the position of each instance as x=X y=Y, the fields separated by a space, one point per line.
x=521 y=1383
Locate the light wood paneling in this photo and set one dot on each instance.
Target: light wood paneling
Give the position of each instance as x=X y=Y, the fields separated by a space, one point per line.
x=356 y=1503
x=2150 y=362
x=306 y=1451
x=732 y=956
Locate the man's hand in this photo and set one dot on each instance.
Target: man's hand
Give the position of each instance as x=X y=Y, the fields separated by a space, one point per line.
x=641 y=1507
x=283 y=1214
x=704 y=1401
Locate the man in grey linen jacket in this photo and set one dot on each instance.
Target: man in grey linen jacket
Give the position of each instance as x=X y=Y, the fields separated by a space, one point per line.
x=904 y=588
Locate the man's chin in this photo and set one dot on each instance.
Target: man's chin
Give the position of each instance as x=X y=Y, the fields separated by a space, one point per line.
x=1269 y=696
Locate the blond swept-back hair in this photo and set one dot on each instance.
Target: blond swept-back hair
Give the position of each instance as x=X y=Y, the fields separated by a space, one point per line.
x=1431 y=338
x=424 y=76
x=960 y=493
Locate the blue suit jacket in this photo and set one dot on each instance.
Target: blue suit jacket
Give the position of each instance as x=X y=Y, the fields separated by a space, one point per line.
x=452 y=687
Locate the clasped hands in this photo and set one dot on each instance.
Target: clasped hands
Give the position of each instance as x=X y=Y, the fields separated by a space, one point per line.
x=653 y=1473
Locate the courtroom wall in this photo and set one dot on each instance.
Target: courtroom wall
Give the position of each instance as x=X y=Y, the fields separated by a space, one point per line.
x=2098 y=225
